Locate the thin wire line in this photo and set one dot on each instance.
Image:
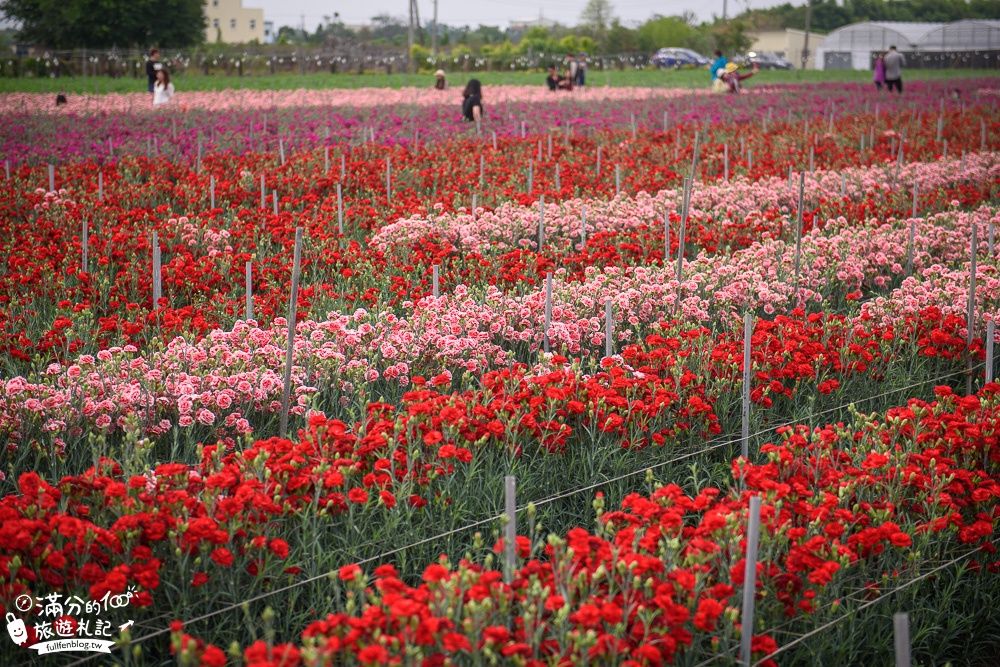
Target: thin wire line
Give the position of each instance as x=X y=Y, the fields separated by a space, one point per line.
x=300 y=583
x=567 y=494
x=871 y=603
x=481 y=522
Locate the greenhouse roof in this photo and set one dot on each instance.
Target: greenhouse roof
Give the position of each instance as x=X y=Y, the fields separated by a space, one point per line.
x=878 y=35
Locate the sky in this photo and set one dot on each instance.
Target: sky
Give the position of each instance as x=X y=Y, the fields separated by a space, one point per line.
x=488 y=12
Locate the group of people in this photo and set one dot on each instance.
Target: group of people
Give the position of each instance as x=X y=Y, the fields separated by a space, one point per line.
x=726 y=77
x=159 y=79
x=472 y=96
x=889 y=70
x=575 y=74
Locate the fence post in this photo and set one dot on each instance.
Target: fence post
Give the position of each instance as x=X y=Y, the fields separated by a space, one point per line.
x=747 y=378
x=100 y=186
x=812 y=158
x=989 y=243
x=263 y=197
x=558 y=185
x=293 y=301
x=749 y=580
x=84 y=242
x=940 y=127
x=435 y=277
x=990 y=334
x=970 y=322
x=548 y=309
x=482 y=171
x=798 y=237
x=157 y=275
x=666 y=236
x=388 y=181
x=281 y=150
x=909 y=248
x=326 y=160
x=598 y=161
x=618 y=179
x=510 y=539
x=901 y=638
x=198 y=168
x=6 y=169
x=274 y=199
x=915 y=198
x=694 y=155
x=550 y=147
x=982 y=134
x=843 y=184
x=609 y=348
x=680 y=241
x=494 y=139
x=583 y=226
x=666 y=115
x=340 y=210
x=52 y=178
x=531 y=175
x=211 y=189
x=541 y=222
x=249 y=290
x=725 y=162
x=343 y=166
x=473 y=206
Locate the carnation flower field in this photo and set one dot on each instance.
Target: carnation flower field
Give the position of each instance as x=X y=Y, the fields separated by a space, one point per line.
x=563 y=295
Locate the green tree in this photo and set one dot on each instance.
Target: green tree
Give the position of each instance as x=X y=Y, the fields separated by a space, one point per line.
x=597 y=16
x=66 y=24
x=663 y=31
x=620 y=39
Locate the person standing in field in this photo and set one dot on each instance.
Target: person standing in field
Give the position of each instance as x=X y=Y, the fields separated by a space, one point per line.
x=472 y=101
x=153 y=65
x=879 y=76
x=440 y=82
x=581 y=70
x=572 y=67
x=718 y=67
x=894 y=64
x=163 y=90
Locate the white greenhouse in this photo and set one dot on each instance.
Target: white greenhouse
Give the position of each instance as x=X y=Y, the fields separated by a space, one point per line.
x=961 y=44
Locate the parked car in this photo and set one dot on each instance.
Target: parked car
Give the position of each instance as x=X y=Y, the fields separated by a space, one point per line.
x=765 y=60
x=676 y=58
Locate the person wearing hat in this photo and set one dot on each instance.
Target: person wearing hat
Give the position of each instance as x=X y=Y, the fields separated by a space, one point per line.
x=732 y=79
x=440 y=82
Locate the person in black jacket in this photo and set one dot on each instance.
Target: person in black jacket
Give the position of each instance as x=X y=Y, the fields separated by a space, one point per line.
x=472 y=101
x=153 y=65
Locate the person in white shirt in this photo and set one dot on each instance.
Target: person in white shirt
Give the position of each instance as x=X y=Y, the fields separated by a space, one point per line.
x=163 y=90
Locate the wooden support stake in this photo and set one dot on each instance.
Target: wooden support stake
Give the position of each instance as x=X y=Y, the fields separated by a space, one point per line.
x=747 y=377
x=609 y=348
x=510 y=539
x=249 y=290
x=749 y=580
x=293 y=301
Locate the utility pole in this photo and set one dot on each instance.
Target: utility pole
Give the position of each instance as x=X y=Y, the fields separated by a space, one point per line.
x=434 y=34
x=805 y=43
x=409 y=35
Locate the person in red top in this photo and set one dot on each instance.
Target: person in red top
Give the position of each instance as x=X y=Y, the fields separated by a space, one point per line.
x=733 y=79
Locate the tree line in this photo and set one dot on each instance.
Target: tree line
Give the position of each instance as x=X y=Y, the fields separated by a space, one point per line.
x=67 y=24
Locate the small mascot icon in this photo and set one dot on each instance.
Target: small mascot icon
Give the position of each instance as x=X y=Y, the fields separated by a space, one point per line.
x=15 y=627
